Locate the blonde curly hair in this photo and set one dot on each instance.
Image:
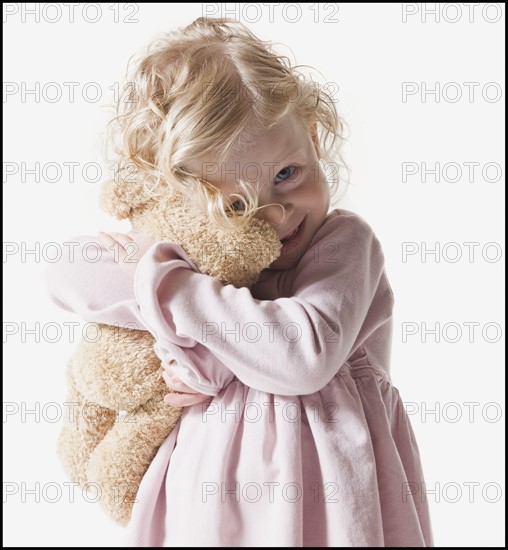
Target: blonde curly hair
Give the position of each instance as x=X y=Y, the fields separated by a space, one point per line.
x=199 y=92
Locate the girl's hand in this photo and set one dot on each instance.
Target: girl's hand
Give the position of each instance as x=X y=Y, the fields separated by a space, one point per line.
x=128 y=248
x=185 y=396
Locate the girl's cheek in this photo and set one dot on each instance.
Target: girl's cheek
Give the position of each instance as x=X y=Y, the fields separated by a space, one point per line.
x=313 y=177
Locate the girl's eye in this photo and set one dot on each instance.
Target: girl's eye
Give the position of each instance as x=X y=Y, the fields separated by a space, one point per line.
x=285 y=173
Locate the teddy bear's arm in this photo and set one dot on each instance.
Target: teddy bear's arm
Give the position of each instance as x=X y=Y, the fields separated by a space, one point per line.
x=288 y=346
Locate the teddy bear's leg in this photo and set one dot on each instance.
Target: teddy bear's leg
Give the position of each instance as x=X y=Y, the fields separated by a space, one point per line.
x=83 y=429
x=120 y=370
x=120 y=461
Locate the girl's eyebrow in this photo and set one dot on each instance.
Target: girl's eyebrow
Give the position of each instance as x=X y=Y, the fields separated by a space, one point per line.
x=273 y=168
x=294 y=153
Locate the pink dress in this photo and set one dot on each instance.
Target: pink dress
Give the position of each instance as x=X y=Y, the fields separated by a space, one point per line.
x=304 y=440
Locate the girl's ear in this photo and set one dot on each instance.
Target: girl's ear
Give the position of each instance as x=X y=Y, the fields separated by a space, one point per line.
x=315 y=139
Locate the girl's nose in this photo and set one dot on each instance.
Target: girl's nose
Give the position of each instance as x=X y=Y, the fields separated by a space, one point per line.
x=275 y=215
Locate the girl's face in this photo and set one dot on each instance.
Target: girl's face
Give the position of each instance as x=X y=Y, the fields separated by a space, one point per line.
x=282 y=163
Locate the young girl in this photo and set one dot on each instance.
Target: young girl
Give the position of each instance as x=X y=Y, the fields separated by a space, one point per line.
x=292 y=433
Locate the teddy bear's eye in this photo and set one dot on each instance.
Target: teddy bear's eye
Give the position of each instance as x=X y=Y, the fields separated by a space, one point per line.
x=237 y=206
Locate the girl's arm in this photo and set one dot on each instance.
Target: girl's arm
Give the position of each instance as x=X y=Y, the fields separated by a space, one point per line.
x=87 y=280
x=289 y=346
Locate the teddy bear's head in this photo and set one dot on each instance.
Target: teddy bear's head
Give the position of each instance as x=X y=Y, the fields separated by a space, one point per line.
x=234 y=257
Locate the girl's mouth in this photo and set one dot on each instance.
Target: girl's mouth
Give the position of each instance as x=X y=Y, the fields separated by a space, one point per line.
x=295 y=237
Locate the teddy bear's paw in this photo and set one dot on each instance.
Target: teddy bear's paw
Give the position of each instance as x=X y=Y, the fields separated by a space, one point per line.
x=80 y=434
x=120 y=461
x=73 y=454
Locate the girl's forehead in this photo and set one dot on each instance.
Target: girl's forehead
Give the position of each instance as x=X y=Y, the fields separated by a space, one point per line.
x=272 y=144
x=259 y=156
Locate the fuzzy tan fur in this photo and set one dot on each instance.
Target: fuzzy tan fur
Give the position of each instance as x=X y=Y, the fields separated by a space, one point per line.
x=120 y=418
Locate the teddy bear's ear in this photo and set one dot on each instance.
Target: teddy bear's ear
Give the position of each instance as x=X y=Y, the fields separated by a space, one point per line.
x=122 y=198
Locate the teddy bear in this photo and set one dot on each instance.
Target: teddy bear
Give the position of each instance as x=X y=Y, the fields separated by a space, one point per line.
x=115 y=382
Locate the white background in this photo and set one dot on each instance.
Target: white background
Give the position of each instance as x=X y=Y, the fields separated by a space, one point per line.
x=369 y=52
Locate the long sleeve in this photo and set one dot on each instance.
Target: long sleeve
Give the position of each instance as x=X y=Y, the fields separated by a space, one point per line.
x=86 y=280
x=291 y=345
x=89 y=282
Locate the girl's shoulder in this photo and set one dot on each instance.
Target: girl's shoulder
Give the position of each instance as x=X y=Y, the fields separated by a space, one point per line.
x=344 y=226
x=343 y=247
